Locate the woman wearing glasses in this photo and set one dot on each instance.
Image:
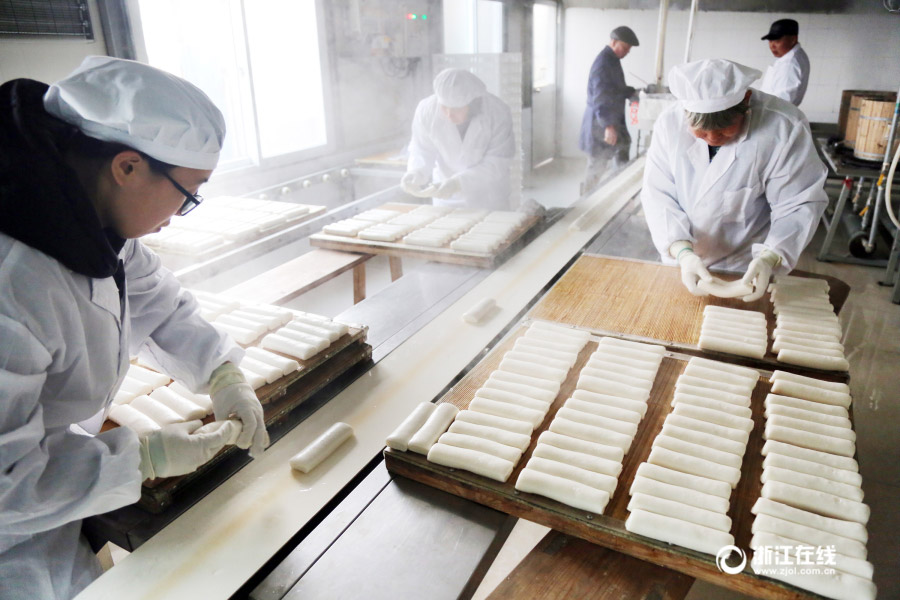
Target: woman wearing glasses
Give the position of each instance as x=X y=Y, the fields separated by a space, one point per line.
x=87 y=166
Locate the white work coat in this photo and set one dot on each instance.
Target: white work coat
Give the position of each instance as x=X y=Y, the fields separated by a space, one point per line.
x=788 y=76
x=480 y=160
x=65 y=342
x=765 y=189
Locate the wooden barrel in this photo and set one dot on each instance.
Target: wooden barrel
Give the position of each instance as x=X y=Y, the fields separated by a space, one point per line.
x=872 y=129
x=846 y=96
x=856 y=100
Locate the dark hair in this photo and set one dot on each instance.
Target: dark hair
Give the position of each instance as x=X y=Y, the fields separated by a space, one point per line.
x=716 y=120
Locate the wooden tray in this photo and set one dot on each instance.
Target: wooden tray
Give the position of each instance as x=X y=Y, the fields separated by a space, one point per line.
x=176 y=261
x=402 y=250
x=278 y=398
x=645 y=301
x=609 y=529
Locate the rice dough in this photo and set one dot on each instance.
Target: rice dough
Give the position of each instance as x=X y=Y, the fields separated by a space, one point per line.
x=678 y=532
x=399 y=438
x=565 y=491
x=321 y=448
x=436 y=424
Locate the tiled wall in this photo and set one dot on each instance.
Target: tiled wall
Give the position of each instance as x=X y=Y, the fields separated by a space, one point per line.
x=845 y=52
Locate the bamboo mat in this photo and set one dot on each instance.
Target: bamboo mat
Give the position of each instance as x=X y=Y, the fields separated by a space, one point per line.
x=646 y=301
x=608 y=529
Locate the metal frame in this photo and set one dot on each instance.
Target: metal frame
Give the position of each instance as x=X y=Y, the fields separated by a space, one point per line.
x=850 y=174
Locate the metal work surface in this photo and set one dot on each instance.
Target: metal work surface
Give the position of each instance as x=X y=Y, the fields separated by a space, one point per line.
x=221 y=542
x=408 y=541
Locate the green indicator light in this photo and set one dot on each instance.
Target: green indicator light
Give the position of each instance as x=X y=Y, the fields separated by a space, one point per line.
x=424 y=17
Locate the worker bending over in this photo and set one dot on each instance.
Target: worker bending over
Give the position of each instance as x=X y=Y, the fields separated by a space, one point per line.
x=732 y=179
x=88 y=165
x=462 y=145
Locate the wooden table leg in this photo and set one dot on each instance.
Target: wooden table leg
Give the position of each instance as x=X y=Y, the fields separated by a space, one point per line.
x=565 y=567
x=359 y=283
x=396 y=267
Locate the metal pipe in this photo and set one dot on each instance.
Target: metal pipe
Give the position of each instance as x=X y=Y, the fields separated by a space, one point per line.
x=690 y=33
x=661 y=40
x=856 y=196
x=885 y=167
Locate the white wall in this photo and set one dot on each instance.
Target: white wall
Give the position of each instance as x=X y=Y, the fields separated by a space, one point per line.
x=48 y=59
x=846 y=51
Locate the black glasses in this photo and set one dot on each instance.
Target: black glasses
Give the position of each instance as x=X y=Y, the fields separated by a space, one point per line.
x=191 y=201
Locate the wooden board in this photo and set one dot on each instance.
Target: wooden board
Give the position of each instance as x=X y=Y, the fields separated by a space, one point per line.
x=402 y=250
x=646 y=301
x=608 y=529
x=562 y=567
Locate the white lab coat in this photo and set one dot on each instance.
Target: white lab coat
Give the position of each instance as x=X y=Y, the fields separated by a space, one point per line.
x=788 y=76
x=65 y=342
x=765 y=189
x=481 y=160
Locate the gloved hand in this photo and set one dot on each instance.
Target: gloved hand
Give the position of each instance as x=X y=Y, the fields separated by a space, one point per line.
x=692 y=269
x=759 y=272
x=412 y=183
x=447 y=188
x=181 y=448
x=232 y=395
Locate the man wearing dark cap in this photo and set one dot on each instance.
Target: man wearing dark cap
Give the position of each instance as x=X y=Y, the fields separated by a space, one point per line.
x=789 y=74
x=603 y=132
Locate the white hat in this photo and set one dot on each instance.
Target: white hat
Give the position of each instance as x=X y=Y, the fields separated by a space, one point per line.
x=711 y=85
x=147 y=109
x=456 y=88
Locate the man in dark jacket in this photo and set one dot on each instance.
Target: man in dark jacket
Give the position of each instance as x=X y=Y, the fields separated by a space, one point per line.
x=603 y=132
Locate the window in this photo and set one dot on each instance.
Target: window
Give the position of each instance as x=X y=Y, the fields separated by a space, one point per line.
x=46 y=17
x=258 y=61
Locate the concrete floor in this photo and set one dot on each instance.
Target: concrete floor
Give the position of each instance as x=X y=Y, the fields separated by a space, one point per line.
x=870 y=322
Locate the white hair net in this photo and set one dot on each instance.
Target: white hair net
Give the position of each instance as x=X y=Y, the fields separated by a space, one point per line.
x=147 y=109
x=456 y=88
x=711 y=85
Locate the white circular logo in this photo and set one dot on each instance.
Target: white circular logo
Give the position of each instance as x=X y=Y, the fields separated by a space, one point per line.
x=723 y=553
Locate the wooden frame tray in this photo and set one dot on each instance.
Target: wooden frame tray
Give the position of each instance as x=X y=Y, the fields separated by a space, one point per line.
x=646 y=301
x=278 y=399
x=179 y=260
x=401 y=250
x=608 y=529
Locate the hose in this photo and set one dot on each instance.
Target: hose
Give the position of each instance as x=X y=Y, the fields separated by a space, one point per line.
x=887 y=191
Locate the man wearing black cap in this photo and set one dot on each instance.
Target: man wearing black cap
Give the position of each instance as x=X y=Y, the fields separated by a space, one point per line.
x=603 y=132
x=789 y=74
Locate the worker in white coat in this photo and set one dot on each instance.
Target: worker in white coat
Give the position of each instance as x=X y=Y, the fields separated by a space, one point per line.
x=87 y=165
x=732 y=179
x=462 y=145
x=788 y=76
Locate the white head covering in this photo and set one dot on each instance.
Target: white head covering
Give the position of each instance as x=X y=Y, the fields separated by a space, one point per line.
x=456 y=88
x=147 y=109
x=711 y=85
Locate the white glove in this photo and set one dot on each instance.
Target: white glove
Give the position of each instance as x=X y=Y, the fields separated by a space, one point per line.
x=411 y=183
x=692 y=269
x=232 y=395
x=181 y=448
x=447 y=188
x=759 y=272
